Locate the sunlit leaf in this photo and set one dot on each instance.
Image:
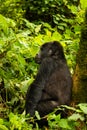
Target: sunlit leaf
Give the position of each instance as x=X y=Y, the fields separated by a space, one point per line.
x=83 y=107
x=2 y=127
x=3 y=24
x=56 y=36
x=83 y=3
x=37 y=115
x=48 y=33
x=75 y=117
x=64 y=124
x=37 y=29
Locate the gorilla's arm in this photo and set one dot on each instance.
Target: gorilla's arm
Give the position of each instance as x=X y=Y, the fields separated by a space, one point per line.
x=34 y=92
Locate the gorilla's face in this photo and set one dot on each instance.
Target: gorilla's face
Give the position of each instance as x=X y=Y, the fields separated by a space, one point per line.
x=49 y=49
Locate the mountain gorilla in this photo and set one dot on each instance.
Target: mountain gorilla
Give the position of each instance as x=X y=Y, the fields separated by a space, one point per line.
x=52 y=85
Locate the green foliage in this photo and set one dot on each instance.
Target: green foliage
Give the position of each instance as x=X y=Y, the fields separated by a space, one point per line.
x=12 y=8
x=15 y=122
x=59 y=13
x=73 y=122
x=16 y=61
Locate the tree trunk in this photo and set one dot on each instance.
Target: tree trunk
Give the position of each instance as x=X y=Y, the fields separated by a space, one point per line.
x=80 y=76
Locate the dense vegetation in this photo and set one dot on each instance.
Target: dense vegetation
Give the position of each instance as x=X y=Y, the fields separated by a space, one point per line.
x=24 y=26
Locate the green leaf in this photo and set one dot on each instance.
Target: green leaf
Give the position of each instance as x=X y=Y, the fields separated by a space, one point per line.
x=21 y=60
x=64 y=124
x=60 y=27
x=2 y=127
x=37 y=115
x=1 y=121
x=83 y=107
x=56 y=36
x=3 y=24
x=83 y=3
x=38 y=28
x=75 y=117
x=73 y=8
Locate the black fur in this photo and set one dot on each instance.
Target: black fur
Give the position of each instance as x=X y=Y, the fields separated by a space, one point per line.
x=52 y=85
